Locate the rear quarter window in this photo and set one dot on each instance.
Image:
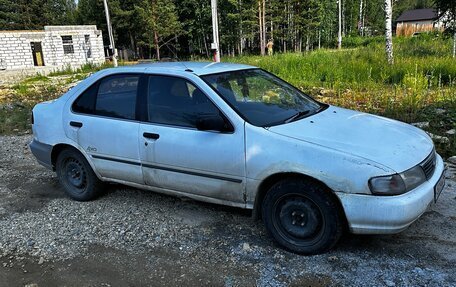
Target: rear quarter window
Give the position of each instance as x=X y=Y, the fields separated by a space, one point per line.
x=85 y=103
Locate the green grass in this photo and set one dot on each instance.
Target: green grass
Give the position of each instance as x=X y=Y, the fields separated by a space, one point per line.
x=422 y=79
x=84 y=69
x=21 y=88
x=17 y=101
x=15 y=111
x=365 y=67
x=14 y=119
x=37 y=78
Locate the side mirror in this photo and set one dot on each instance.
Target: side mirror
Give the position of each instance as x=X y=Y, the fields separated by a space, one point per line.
x=213 y=123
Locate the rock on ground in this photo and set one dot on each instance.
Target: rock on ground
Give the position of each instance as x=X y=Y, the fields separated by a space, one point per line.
x=421 y=125
x=438 y=139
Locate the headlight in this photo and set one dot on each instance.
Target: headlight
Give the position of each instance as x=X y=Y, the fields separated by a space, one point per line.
x=413 y=177
x=387 y=185
x=397 y=183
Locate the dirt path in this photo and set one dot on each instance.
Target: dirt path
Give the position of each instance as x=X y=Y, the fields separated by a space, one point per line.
x=131 y=237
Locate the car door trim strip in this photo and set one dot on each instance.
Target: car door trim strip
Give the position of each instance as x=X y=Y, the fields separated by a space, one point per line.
x=230 y=179
x=193 y=173
x=115 y=159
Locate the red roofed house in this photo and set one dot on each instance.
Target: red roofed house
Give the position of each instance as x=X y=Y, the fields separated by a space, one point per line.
x=419 y=20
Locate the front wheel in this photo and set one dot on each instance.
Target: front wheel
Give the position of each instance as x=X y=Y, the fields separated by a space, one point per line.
x=76 y=176
x=302 y=217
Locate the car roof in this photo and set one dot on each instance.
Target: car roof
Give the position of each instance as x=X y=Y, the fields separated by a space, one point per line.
x=198 y=68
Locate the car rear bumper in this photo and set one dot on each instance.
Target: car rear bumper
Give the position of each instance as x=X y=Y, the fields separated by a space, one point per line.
x=369 y=214
x=42 y=153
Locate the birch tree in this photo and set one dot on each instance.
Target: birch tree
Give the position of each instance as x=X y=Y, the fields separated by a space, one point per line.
x=262 y=24
x=389 y=31
x=339 y=36
x=360 y=23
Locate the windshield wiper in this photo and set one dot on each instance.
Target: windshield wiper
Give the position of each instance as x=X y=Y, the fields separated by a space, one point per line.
x=297 y=116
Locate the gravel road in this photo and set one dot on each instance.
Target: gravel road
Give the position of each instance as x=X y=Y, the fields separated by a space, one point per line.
x=131 y=237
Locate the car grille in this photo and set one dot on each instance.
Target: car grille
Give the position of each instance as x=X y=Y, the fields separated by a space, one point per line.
x=428 y=164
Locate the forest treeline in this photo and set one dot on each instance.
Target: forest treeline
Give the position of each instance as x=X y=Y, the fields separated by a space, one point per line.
x=183 y=27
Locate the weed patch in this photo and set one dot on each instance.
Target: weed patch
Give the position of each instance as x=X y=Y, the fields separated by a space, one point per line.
x=421 y=82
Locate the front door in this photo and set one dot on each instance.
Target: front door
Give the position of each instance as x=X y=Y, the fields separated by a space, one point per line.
x=176 y=156
x=103 y=123
x=37 y=52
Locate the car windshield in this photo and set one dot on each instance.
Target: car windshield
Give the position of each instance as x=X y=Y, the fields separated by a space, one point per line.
x=261 y=98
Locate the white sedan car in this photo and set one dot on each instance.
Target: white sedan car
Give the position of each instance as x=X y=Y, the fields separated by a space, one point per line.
x=237 y=135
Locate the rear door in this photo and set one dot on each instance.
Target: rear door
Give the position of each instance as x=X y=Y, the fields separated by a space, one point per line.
x=175 y=155
x=104 y=124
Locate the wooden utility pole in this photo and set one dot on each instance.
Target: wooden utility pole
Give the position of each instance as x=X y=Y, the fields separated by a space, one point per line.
x=111 y=37
x=339 y=36
x=389 y=31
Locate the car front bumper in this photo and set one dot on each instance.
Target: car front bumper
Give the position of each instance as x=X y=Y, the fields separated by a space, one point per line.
x=42 y=153
x=369 y=214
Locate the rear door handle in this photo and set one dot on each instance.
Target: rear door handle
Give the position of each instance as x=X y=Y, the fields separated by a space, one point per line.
x=151 y=136
x=76 y=124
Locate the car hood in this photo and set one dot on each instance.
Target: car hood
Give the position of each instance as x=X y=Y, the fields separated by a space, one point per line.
x=391 y=143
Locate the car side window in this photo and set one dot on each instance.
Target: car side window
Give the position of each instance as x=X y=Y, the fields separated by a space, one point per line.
x=176 y=101
x=113 y=96
x=116 y=96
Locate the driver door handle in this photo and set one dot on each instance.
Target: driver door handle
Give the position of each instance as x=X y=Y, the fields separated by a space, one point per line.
x=76 y=124
x=151 y=136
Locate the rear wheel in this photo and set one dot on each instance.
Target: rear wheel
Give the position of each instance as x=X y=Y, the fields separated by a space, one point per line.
x=76 y=176
x=302 y=217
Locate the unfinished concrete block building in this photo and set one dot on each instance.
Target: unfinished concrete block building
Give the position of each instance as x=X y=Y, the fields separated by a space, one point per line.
x=56 y=46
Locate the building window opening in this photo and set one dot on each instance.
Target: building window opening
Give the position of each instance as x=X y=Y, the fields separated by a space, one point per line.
x=68 y=47
x=87 y=46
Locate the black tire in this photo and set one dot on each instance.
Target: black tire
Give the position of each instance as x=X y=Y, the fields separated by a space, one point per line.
x=76 y=176
x=302 y=216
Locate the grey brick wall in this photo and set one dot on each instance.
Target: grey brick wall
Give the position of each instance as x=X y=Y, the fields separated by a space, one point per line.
x=16 y=51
